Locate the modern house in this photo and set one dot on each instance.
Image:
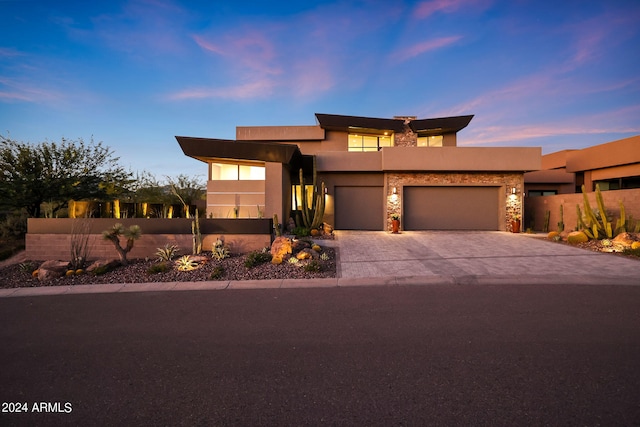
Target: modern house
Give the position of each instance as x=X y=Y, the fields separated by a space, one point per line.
x=613 y=166
x=372 y=168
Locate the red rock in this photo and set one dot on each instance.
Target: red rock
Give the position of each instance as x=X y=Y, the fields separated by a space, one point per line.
x=52 y=269
x=280 y=248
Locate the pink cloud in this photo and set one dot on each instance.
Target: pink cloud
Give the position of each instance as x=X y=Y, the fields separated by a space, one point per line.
x=252 y=51
x=425 y=46
x=430 y=7
x=608 y=122
x=8 y=52
x=17 y=91
x=311 y=77
x=255 y=89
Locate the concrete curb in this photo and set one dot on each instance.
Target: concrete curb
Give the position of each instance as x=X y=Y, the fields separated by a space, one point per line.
x=531 y=280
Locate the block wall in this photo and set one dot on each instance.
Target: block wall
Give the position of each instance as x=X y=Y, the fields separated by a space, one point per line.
x=41 y=247
x=537 y=206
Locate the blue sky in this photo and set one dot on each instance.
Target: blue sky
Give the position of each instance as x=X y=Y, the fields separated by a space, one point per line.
x=135 y=73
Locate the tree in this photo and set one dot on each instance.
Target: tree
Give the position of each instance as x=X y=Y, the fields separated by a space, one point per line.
x=31 y=174
x=187 y=190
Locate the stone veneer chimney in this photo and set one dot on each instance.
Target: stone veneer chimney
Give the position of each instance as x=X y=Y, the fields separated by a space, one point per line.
x=407 y=138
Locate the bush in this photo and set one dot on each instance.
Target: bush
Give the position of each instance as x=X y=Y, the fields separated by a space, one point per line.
x=167 y=253
x=313 y=266
x=160 y=267
x=217 y=273
x=220 y=251
x=301 y=232
x=14 y=226
x=632 y=252
x=255 y=258
x=103 y=269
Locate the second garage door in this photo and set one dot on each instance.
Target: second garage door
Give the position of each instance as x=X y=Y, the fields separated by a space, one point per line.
x=359 y=208
x=451 y=208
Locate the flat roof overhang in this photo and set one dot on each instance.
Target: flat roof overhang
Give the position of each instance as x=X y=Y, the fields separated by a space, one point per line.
x=356 y=123
x=207 y=149
x=440 y=126
x=423 y=127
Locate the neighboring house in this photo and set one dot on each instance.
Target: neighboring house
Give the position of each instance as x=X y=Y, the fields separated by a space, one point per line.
x=614 y=166
x=372 y=167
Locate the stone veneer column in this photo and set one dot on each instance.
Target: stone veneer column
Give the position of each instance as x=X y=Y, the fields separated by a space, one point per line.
x=407 y=138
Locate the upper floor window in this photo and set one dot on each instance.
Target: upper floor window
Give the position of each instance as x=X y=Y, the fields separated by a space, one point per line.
x=430 y=141
x=234 y=172
x=358 y=142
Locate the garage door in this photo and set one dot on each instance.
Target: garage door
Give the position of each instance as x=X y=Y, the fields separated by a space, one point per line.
x=359 y=208
x=451 y=208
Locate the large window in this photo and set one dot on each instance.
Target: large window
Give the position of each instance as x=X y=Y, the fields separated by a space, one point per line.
x=430 y=141
x=234 y=172
x=358 y=142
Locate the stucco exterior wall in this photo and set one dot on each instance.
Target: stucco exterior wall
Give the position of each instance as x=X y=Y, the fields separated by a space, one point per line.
x=535 y=207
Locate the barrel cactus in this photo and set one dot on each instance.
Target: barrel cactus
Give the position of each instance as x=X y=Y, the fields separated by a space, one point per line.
x=552 y=234
x=576 y=237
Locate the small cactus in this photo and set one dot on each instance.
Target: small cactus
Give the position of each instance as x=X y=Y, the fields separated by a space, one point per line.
x=576 y=237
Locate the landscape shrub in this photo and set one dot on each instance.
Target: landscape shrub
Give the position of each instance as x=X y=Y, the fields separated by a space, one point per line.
x=160 y=267
x=167 y=253
x=313 y=266
x=217 y=273
x=256 y=258
x=14 y=226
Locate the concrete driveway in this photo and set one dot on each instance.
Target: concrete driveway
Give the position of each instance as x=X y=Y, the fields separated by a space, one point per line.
x=476 y=257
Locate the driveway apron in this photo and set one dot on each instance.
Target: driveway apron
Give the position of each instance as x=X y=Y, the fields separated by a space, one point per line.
x=473 y=254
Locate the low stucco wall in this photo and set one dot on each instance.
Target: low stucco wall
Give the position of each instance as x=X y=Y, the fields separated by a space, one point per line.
x=51 y=238
x=535 y=207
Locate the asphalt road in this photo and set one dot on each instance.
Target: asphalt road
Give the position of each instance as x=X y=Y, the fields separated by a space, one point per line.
x=375 y=356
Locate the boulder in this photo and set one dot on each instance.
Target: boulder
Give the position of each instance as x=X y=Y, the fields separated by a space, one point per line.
x=280 y=248
x=306 y=253
x=624 y=239
x=107 y=264
x=298 y=245
x=326 y=228
x=200 y=259
x=52 y=270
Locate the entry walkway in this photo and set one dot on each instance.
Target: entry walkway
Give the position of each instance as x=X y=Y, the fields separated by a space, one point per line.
x=476 y=256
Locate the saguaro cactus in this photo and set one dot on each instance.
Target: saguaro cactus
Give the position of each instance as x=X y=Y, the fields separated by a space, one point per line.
x=312 y=215
x=197 y=237
x=595 y=226
x=561 y=222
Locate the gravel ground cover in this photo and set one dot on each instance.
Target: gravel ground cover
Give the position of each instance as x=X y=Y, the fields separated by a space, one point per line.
x=233 y=268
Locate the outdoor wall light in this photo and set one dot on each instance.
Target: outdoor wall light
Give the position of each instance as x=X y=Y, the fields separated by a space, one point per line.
x=513 y=190
x=395 y=190
x=326 y=190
